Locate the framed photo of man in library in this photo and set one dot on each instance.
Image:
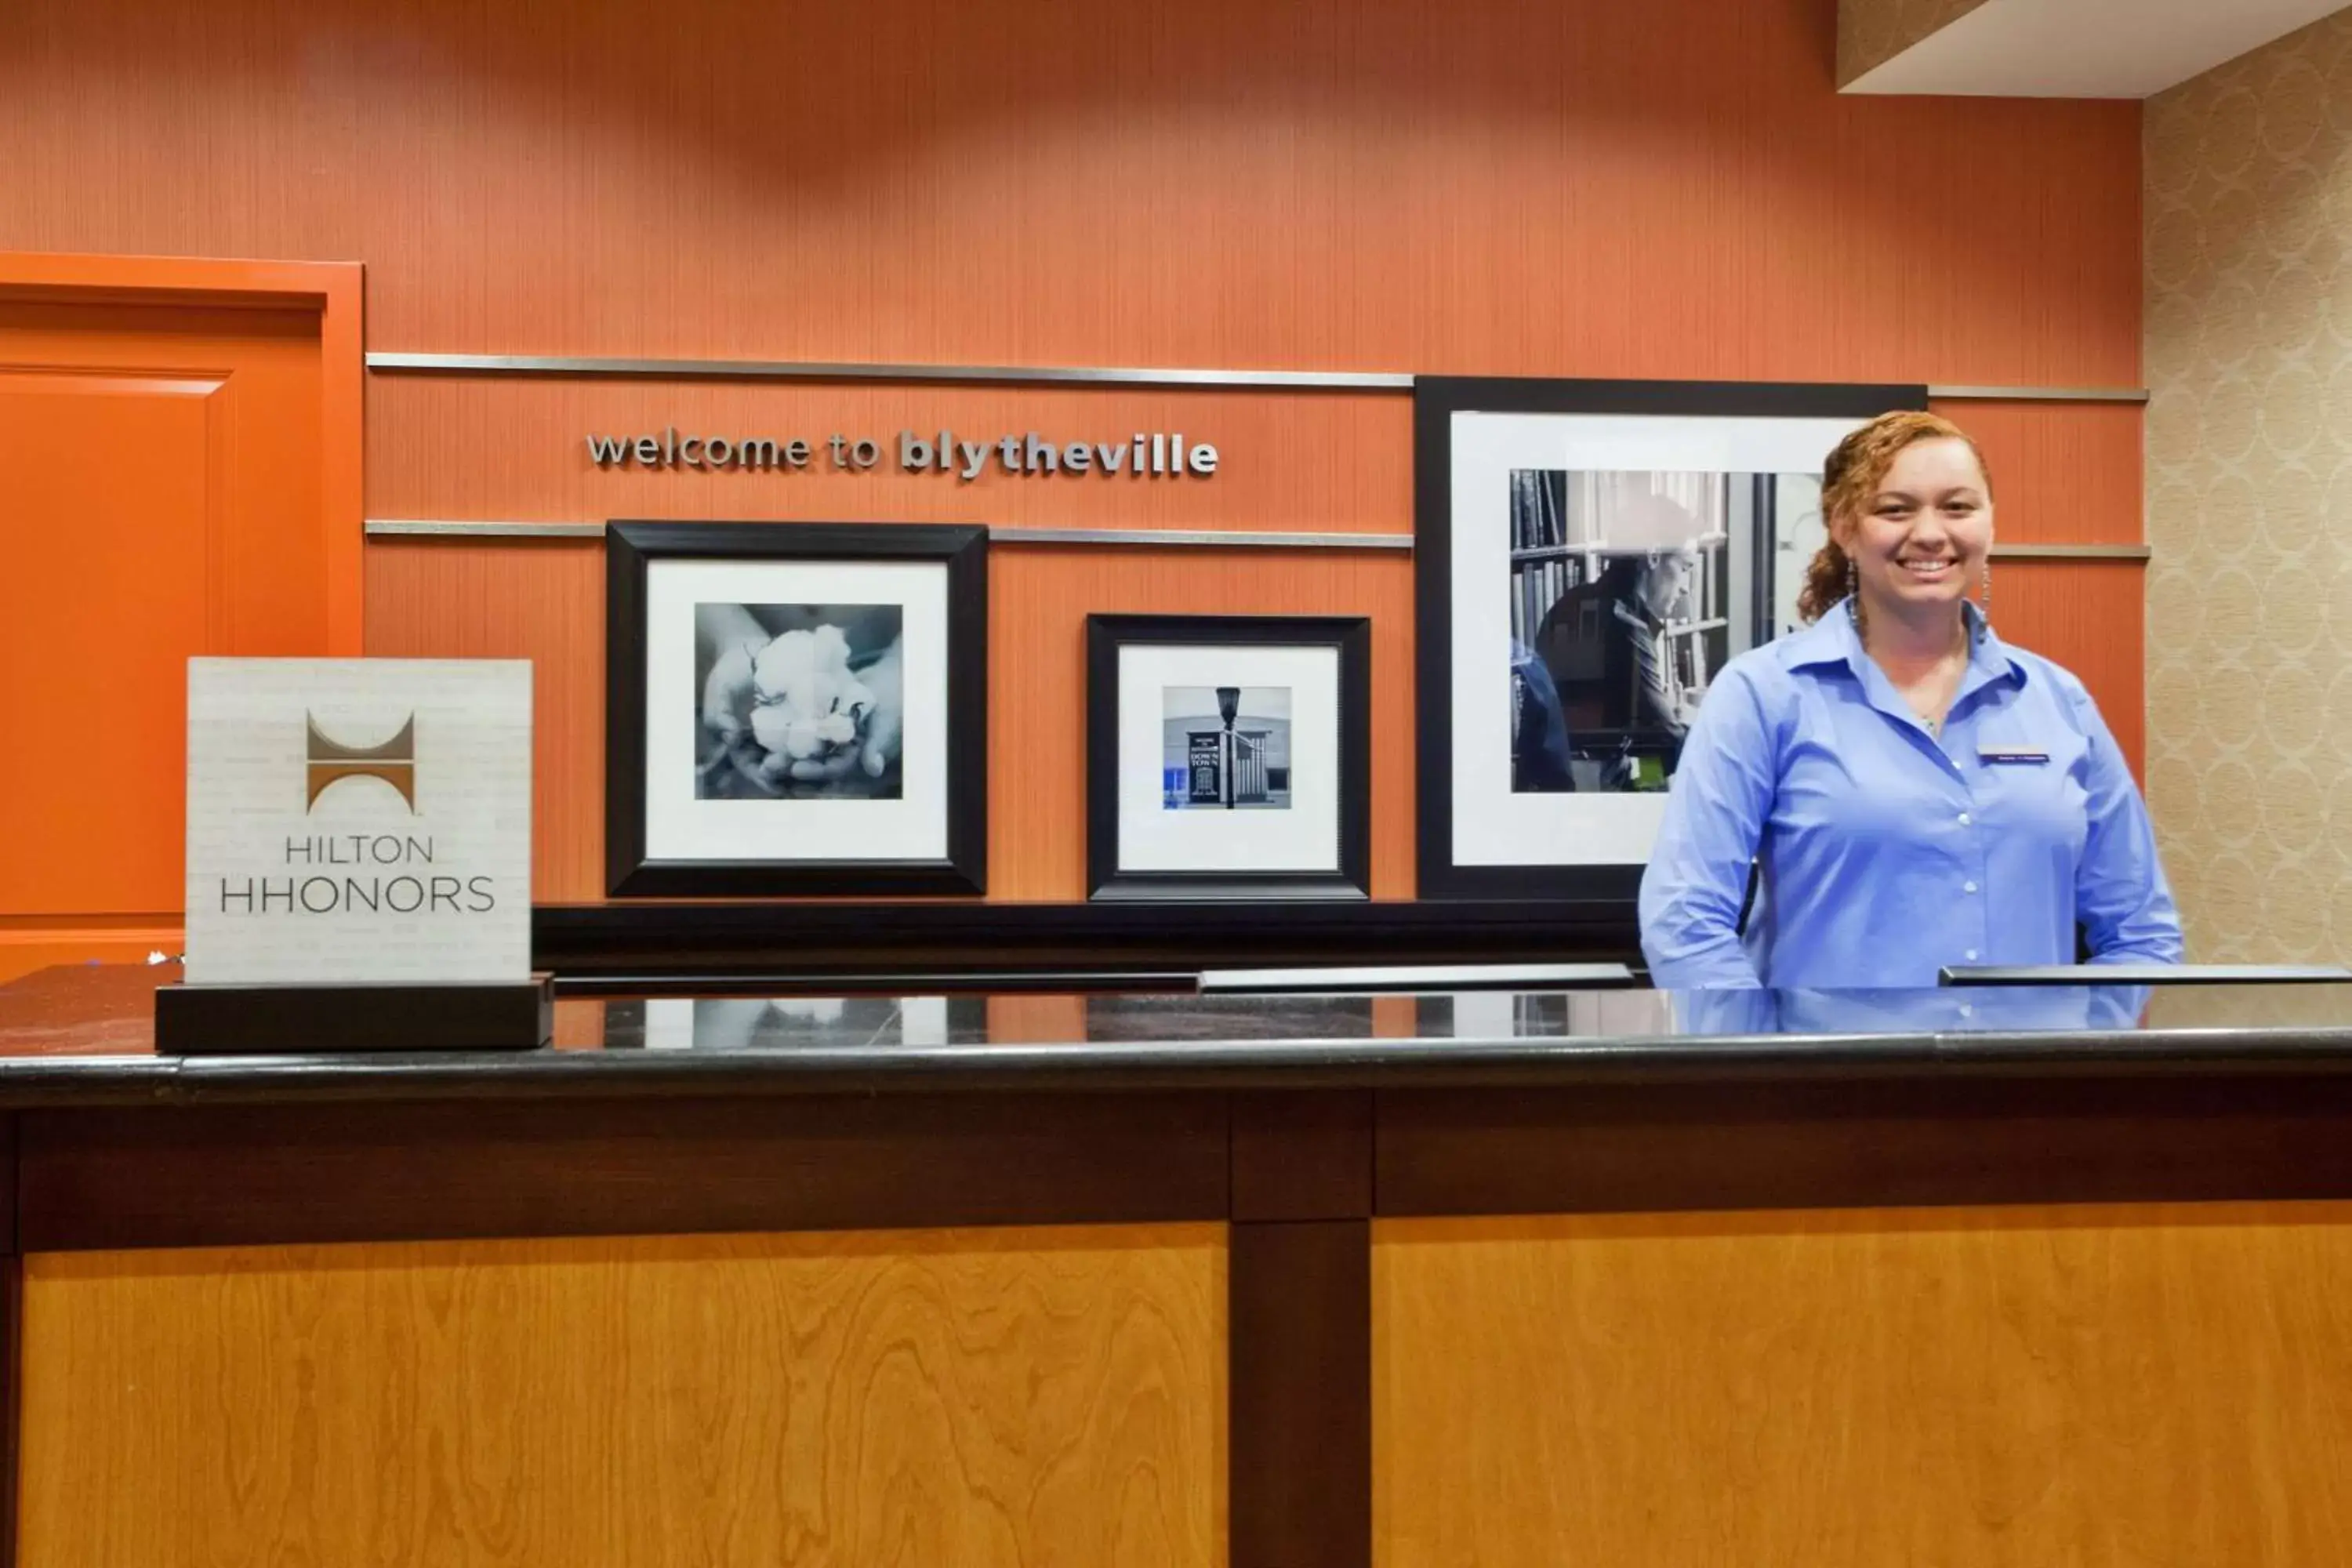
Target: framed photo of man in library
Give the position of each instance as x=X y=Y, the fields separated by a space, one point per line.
x=1587 y=555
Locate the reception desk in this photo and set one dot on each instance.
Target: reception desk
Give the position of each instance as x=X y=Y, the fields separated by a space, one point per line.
x=2001 y=1277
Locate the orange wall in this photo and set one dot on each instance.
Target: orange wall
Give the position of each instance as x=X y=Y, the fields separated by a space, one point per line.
x=1569 y=187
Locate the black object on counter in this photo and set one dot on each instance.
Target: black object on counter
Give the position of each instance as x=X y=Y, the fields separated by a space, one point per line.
x=332 y=1020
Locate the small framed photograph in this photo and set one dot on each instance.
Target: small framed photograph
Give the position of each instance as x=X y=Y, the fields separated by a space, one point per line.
x=795 y=709
x=1228 y=757
x=1586 y=555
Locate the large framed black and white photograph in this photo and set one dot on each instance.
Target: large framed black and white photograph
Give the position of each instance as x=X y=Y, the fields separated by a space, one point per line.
x=1587 y=555
x=795 y=709
x=1228 y=757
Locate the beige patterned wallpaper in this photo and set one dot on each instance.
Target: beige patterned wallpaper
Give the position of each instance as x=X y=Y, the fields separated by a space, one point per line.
x=1871 y=32
x=2249 y=322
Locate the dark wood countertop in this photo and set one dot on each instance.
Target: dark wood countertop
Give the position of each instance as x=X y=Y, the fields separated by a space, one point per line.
x=84 y=1037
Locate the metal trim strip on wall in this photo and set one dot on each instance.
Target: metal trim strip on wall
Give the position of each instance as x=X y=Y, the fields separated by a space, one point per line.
x=587 y=367
x=777 y=370
x=383 y=526
x=2039 y=393
x=997 y=533
x=1198 y=538
x=2070 y=552
x=1150 y=537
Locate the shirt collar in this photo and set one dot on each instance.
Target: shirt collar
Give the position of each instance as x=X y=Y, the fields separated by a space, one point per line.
x=1833 y=640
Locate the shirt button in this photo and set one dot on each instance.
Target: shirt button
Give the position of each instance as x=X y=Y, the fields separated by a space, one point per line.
x=1970 y=955
x=1966 y=1011
x=1964 y=820
x=1968 y=887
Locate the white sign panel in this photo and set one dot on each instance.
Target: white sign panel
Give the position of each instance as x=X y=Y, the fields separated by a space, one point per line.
x=359 y=820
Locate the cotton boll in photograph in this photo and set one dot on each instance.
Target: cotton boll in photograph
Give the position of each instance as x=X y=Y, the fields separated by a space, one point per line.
x=799 y=701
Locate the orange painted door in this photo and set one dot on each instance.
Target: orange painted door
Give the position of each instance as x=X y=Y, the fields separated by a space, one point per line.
x=161 y=496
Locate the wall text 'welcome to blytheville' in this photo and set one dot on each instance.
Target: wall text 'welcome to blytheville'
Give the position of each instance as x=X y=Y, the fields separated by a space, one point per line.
x=1148 y=454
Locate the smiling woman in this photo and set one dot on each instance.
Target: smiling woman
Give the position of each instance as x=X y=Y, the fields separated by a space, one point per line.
x=1906 y=791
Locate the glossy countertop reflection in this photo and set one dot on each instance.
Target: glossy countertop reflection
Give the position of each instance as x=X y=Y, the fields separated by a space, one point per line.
x=1454 y=1019
x=84 y=1035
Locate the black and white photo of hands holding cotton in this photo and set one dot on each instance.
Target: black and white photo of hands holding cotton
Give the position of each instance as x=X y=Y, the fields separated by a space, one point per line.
x=799 y=701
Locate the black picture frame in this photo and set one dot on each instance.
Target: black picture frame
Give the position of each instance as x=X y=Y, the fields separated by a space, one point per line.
x=633 y=546
x=1350 y=636
x=1436 y=400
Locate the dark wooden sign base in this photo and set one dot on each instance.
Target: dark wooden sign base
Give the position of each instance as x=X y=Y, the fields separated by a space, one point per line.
x=333 y=1020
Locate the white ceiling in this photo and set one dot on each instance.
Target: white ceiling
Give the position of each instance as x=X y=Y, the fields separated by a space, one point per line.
x=2086 y=48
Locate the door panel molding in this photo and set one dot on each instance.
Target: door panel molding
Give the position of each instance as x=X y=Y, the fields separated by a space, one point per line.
x=334 y=290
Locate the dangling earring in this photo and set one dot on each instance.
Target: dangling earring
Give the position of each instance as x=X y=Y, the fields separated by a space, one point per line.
x=1853 y=595
x=1984 y=601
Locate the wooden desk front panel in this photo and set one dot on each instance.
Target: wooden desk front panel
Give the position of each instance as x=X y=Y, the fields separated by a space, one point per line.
x=1005 y=1396
x=2144 y=1385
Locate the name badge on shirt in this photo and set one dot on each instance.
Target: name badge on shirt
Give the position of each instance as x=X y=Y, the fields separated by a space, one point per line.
x=2012 y=756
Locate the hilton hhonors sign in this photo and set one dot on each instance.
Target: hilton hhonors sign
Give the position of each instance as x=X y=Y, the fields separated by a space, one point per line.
x=359 y=820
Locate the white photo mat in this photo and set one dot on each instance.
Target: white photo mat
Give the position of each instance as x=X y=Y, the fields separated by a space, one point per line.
x=1305 y=838
x=1493 y=825
x=680 y=827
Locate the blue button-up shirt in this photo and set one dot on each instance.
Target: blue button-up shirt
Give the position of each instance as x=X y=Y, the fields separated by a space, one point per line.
x=1885 y=852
